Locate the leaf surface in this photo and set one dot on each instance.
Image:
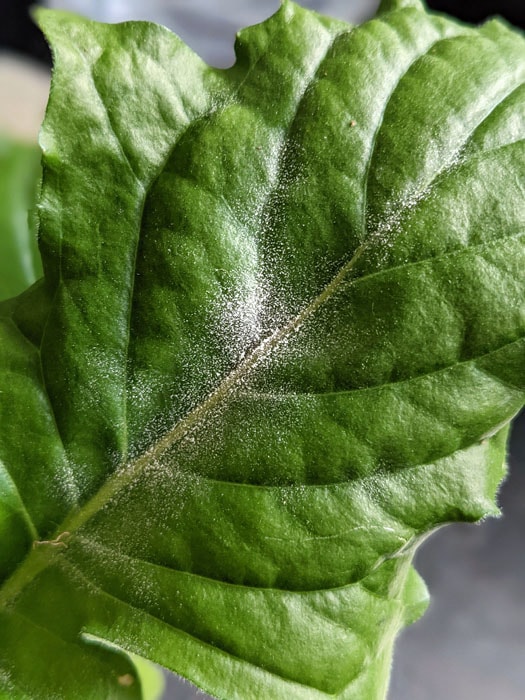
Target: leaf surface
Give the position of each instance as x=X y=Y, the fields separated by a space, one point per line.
x=19 y=177
x=279 y=338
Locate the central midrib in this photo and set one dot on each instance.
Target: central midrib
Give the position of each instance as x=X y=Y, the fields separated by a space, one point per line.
x=182 y=428
x=42 y=556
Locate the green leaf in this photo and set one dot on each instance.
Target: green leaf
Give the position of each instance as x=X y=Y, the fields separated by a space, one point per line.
x=20 y=261
x=279 y=339
x=151 y=678
x=19 y=258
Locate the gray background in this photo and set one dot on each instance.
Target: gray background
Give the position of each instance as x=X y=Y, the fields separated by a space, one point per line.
x=471 y=643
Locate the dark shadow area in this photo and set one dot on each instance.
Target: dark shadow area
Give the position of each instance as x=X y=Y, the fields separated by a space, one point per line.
x=477 y=10
x=19 y=33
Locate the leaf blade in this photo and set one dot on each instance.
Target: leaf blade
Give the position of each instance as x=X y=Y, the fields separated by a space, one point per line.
x=206 y=350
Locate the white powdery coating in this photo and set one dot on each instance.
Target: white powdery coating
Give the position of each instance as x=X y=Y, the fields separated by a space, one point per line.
x=384 y=232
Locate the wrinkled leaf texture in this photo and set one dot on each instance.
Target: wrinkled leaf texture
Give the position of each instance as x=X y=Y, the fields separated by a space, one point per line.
x=20 y=265
x=279 y=339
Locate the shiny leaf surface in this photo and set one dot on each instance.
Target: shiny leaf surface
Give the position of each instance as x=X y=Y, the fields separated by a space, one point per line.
x=279 y=339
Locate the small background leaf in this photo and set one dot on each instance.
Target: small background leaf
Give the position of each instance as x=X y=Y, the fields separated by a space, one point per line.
x=151 y=678
x=20 y=263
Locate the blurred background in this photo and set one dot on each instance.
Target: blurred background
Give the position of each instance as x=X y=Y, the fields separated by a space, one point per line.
x=471 y=642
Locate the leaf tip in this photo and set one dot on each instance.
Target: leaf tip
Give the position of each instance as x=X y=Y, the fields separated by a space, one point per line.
x=46 y=19
x=416 y=597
